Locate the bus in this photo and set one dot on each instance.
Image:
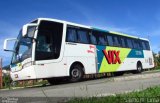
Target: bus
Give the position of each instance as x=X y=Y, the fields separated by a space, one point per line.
x=49 y=48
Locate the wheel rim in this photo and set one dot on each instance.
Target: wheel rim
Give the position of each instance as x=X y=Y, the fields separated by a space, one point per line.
x=139 y=68
x=75 y=73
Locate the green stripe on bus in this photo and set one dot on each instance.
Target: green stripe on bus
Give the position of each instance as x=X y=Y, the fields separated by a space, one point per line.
x=126 y=35
x=116 y=33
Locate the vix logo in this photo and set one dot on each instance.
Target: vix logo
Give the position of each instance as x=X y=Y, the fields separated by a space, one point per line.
x=112 y=56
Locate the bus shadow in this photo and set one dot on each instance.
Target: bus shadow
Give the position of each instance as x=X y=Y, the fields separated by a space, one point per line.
x=85 y=79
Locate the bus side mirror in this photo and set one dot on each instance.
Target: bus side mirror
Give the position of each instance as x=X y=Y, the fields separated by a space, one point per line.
x=28 y=30
x=9 y=44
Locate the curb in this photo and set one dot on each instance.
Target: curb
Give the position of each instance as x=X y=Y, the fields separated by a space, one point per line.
x=138 y=76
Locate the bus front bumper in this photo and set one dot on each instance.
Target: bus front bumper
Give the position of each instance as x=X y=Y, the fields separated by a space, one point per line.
x=27 y=73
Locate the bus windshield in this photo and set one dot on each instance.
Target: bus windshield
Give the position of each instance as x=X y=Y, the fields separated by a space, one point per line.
x=23 y=49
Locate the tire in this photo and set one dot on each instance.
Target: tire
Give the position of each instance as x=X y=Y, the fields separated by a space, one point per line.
x=139 y=68
x=76 y=73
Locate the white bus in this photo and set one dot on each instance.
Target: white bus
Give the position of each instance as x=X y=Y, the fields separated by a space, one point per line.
x=49 y=48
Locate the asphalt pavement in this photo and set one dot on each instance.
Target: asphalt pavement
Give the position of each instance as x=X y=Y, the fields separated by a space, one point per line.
x=89 y=88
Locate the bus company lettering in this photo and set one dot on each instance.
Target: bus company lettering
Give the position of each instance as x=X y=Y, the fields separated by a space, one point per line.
x=112 y=56
x=91 y=49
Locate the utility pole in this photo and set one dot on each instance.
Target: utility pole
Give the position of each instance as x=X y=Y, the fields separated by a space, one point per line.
x=1 y=81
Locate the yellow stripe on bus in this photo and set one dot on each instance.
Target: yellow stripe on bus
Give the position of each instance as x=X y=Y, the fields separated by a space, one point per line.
x=105 y=67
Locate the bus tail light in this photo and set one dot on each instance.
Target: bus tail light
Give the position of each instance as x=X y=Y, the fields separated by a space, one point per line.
x=150 y=61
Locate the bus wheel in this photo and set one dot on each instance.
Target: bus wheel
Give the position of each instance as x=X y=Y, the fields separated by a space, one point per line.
x=139 y=68
x=76 y=73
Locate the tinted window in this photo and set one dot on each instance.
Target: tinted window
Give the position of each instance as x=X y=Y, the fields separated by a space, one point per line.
x=139 y=44
x=147 y=45
x=110 y=40
x=102 y=40
x=135 y=44
x=100 y=37
x=71 y=35
x=83 y=36
x=93 y=39
x=116 y=41
x=144 y=46
x=129 y=43
x=49 y=39
x=123 y=42
x=44 y=41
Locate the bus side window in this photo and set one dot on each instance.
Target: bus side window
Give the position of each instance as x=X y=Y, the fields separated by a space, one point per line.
x=143 y=45
x=102 y=40
x=110 y=40
x=93 y=39
x=100 y=37
x=116 y=42
x=129 y=43
x=135 y=44
x=44 y=40
x=71 y=35
x=147 y=45
x=40 y=42
x=139 y=44
x=123 y=42
x=83 y=36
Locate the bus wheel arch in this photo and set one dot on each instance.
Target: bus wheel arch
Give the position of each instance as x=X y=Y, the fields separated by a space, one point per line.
x=139 y=67
x=76 y=71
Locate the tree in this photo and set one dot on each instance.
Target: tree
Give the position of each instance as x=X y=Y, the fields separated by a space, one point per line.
x=158 y=59
x=6 y=81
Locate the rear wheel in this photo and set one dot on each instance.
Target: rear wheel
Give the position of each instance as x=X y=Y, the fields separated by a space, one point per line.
x=76 y=73
x=139 y=68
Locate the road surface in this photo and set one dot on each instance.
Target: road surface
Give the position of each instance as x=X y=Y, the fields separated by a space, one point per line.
x=98 y=87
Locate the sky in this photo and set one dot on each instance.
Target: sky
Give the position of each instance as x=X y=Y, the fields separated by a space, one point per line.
x=135 y=17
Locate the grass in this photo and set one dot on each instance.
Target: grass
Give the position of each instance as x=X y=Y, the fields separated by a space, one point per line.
x=157 y=68
x=149 y=95
x=24 y=85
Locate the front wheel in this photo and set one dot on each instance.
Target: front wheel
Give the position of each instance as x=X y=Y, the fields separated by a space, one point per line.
x=76 y=73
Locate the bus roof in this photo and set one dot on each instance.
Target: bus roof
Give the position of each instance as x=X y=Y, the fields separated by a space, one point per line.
x=122 y=34
x=89 y=27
